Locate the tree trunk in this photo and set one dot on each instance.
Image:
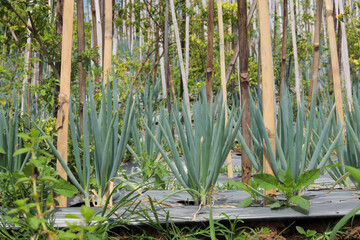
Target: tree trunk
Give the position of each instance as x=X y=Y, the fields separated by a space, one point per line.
x=296 y=61
x=267 y=85
x=284 y=47
x=316 y=58
x=108 y=40
x=64 y=96
x=81 y=49
x=166 y=56
x=244 y=85
x=210 y=51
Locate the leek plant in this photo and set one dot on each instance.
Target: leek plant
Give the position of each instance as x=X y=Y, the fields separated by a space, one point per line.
x=298 y=145
x=205 y=145
x=101 y=133
x=9 y=140
x=145 y=151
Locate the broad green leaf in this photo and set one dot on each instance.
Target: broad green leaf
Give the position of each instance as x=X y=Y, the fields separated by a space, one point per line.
x=2 y=151
x=300 y=230
x=276 y=204
x=65 y=188
x=245 y=203
x=72 y=216
x=34 y=222
x=301 y=202
x=307 y=178
x=21 y=151
x=354 y=172
x=86 y=212
x=99 y=219
x=266 y=181
x=67 y=235
x=23 y=135
x=240 y=185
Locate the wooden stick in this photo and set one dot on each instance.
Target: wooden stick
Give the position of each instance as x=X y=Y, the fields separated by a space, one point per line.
x=62 y=123
x=108 y=40
x=268 y=85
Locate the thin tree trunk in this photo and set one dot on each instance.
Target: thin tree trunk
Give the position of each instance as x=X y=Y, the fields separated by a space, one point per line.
x=284 y=47
x=236 y=51
x=210 y=51
x=296 y=61
x=316 y=58
x=181 y=60
x=275 y=28
x=244 y=85
x=267 y=85
x=187 y=19
x=99 y=31
x=345 y=59
x=64 y=96
x=334 y=62
x=108 y=40
x=81 y=49
x=115 y=35
x=27 y=66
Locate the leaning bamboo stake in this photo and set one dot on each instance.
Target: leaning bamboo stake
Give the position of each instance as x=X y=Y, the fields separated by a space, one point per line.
x=316 y=58
x=181 y=59
x=334 y=62
x=223 y=80
x=267 y=85
x=210 y=51
x=296 y=61
x=62 y=123
x=108 y=40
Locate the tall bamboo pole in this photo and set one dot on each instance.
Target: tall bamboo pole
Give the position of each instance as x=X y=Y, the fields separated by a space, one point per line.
x=334 y=61
x=223 y=80
x=108 y=40
x=180 y=55
x=296 y=61
x=244 y=86
x=267 y=84
x=81 y=49
x=345 y=59
x=283 y=47
x=210 y=51
x=62 y=123
x=316 y=58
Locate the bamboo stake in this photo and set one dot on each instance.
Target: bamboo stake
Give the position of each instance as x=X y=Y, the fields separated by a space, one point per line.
x=345 y=59
x=210 y=51
x=296 y=61
x=181 y=60
x=64 y=96
x=108 y=40
x=316 y=58
x=284 y=47
x=223 y=80
x=334 y=61
x=267 y=85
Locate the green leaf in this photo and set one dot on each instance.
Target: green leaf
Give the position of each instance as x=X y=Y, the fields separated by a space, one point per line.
x=266 y=181
x=72 y=216
x=24 y=136
x=65 y=188
x=28 y=170
x=49 y=179
x=245 y=203
x=87 y=213
x=240 y=185
x=276 y=204
x=99 y=219
x=21 y=180
x=307 y=178
x=67 y=235
x=300 y=201
x=21 y=151
x=300 y=230
x=2 y=151
x=34 y=222
x=354 y=172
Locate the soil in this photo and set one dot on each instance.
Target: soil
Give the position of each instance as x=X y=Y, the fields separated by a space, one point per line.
x=280 y=230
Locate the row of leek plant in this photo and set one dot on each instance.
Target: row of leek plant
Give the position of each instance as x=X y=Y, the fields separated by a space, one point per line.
x=205 y=145
x=103 y=129
x=299 y=144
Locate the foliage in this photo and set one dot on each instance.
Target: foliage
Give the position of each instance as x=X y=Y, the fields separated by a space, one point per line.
x=205 y=147
x=254 y=197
